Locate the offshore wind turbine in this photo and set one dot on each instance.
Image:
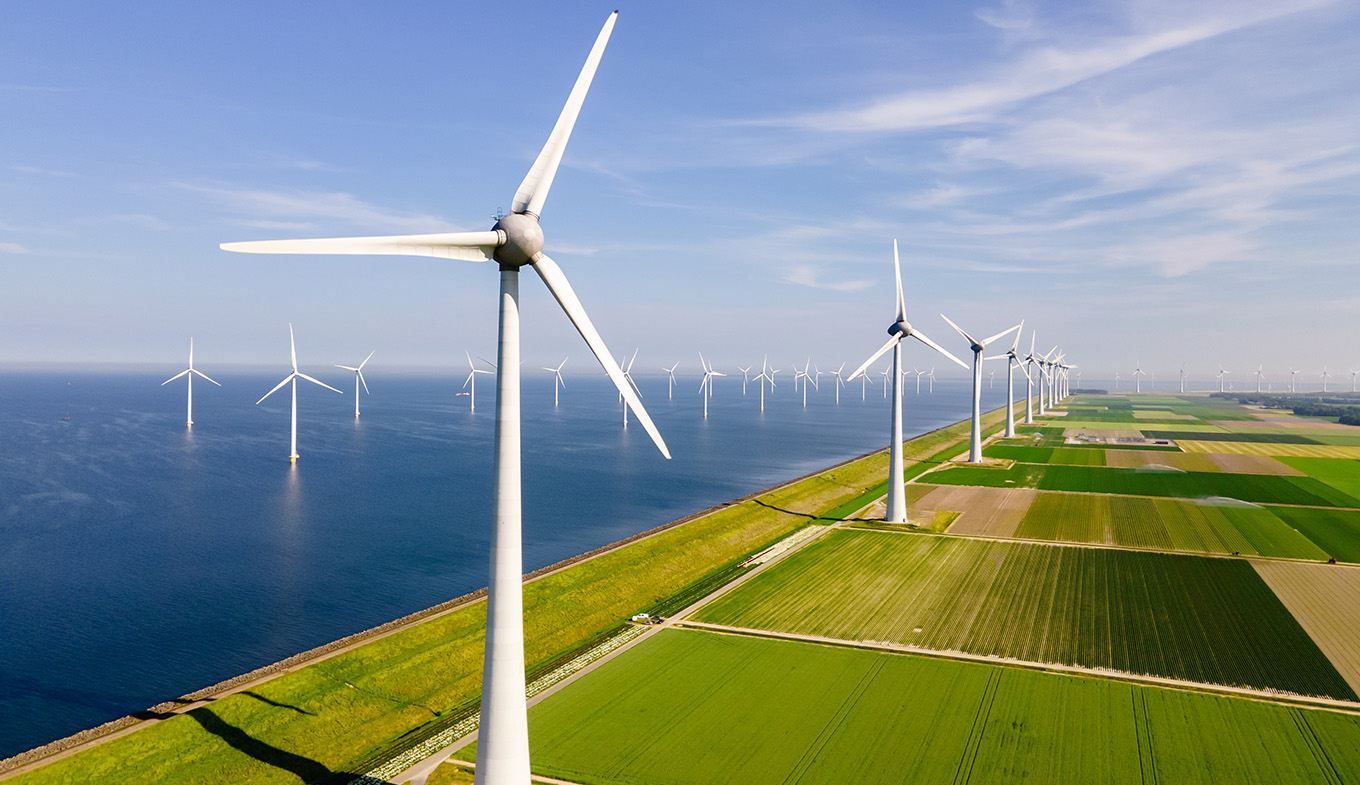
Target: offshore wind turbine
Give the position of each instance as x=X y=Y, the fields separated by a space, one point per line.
x=744 y=373
x=1182 y=377
x=471 y=381
x=1032 y=360
x=765 y=376
x=897 y=331
x=628 y=377
x=558 y=381
x=670 y=379
x=1012 y=358
x=706 y=386
x=293 y=377
x=884 y=373
x=930 y=377
x=515 y=242
x=190 y=371
x=358 y=379
x=975 y=439
x=839 y=382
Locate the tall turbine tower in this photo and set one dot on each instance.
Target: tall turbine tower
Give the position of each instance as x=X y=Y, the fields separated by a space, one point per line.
x=515 y=242
x=1325 y=376
x=1221 y=374
x=745 y=374
x=898 y=330
x=975 y=439
x=765 y=376
x=470 y=383
x=1138 y=374
x=706 y=386
x=293 y=377
x=1032 y=360
x=1292 y=374
x=1012 y=358
x=190 y=371
x=1259 y=376
x=358 y=379
x=1182 y=377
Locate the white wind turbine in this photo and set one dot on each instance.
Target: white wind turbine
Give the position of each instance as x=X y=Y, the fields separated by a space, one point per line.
x=706 y=386
x=1221 y=374
x=1325 y=376
x=470 y=383
x=864 y=384
x=190 y=372
x=765 y=376
x=839 y=382
x=1182 y=377
x=358 y=379
x=1259 y=376
x=884 y=373
x=807 y=377
x=1138 y=374
x=293 y=377
x=670 y=379
x=1012 y=358
x=1292 y=374
x=897 y=331
x=991 y=377
x=558 y=381
x=1353 y=375
x=745 y=372
x=1032 y=360
x=628 y=377
x=975 y=440
x=516 y=241
x=930 y=377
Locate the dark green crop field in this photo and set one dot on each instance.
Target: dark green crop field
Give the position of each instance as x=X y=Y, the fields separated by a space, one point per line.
x=1183 y=617
x=1265 y=489
x=697 y=707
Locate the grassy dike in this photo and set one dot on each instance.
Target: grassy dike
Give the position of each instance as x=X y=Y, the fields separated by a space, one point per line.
x=332 y=719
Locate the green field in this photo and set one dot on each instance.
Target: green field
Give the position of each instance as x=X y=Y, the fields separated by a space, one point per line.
x=697 y=707
x=1266 y=489
x=1183 y=617
x=1167 y=524
x=1073 y=456
x=1335 y=531
x=1340 y=473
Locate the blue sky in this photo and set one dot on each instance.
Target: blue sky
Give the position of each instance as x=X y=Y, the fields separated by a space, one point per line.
x=1164 y=182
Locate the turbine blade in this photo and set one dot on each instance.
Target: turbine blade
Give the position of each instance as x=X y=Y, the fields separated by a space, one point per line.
x=348 y=368
x=205 y=376
x=960 y=331
x=997 y=357
x=366 y=359
x=1016 y=344
x=881 y=350
x=533 y=192
x=1002 y=333
x=292 y=346
x=463 y=246
x=278 y=387
x=361 y=378
x=897 y=275
x=176 y=376
x=561 y=289
x=918 y=336
x=314 y=381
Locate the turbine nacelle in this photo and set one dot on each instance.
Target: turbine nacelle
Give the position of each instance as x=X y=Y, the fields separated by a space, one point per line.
x=900 y=327
x=521 y=240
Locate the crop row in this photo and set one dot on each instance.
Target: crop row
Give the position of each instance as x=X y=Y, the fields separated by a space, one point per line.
x=1183 y=617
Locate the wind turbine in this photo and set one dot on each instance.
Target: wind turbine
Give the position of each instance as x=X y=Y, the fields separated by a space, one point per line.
x=991 y=377
x=864 y=383
x=1138 y=374
x=1259 y=376
x=1325 y=375
x=1032 y=360
x=839 y=382
x=706 y=386
x=1012 y=358
x=293 y=377
x=516 y=241
x=1182 y=377
x=1221 y=374
x=471 y=380
x=358 y=379
x=670 y=380
x=931 y=378
x=190 y=371
x=765 y=376
x=558 y=381
x=1353 y=375
x=975 y=440
x=806 y=378
x=884 y=373
x=897 y=331
x=744 y=373
x=1292 y=374
x=628 y=377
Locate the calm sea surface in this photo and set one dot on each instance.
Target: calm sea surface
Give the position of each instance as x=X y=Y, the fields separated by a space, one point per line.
x=140 y=561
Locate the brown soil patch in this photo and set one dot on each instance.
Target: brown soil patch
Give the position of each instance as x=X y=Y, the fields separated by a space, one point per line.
x=1325 y=598
x=991 y=512
x=1186 y=462
x=1254 y=464
x=1103 y=433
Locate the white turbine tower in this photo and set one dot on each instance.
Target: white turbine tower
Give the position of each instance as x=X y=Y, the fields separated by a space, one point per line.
x=1138 y=374
x=765 y=376
x=1292 y=374
x=991 y=377
x=930 y=377
x=897 y=331
x=1012 y=358
x=745 y=372
x=358 y=379
x=706 y=386
x=628 y=377
x=557 y=378
x=1182 y=377
x=884 y=373
x=975 y=439
x=471 y=380
x=1325 y=376
x=515 y=242
x=1259 y=376
x=1221 y=374
x=190 y=372
x=1354 y=373
x=293 y=377
x=839 y=382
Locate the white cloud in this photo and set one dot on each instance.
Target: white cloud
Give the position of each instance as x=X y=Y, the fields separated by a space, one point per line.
x=13 y=248
x=809 y=275
x=336 y=206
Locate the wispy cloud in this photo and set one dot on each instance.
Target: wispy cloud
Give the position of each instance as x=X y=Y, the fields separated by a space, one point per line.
x=13 y=248
x=808 y=275
x=37 y=170
x=306 y=210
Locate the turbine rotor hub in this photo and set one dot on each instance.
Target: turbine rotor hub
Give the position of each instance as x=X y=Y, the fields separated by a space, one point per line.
x=902 y=327
x=522 y=240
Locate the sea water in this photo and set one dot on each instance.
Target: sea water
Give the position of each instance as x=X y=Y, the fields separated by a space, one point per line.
x=141 y=560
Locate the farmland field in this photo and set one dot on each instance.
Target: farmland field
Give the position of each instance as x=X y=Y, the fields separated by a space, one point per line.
x=1335 y=531
x=1184 y=485
x=698 y=707
x=1279 y=449
x=1077 y=456
x=1182 y=617
x=1326 y=601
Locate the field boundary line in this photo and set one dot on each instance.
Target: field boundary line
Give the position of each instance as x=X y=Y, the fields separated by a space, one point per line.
x=1189 y=499
x=1264 y=696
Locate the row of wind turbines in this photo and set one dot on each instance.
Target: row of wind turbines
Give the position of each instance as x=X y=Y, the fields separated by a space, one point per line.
x=1260 y=375
x=515 y=242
